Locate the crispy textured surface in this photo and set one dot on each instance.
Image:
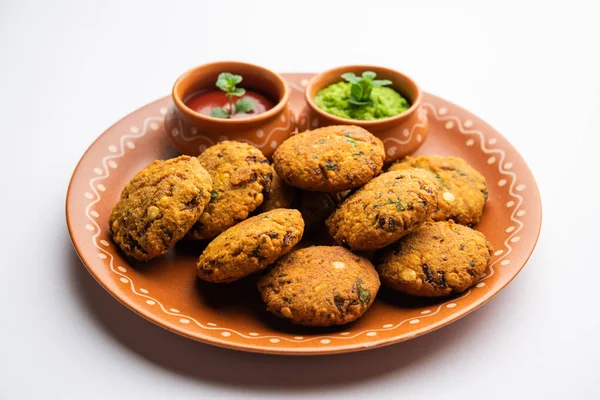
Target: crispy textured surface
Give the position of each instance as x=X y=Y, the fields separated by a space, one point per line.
x=437 y=259
x=384 y=210
x=240 y=173
x=159 y=205
x=330 y=159
x=463 y=190
x=277 y=195
x=315 y=207
x=320 y=286
x=250 y=246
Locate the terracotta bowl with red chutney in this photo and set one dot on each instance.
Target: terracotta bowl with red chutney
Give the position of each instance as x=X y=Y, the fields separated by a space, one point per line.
x=401 y=134
x=192 y=126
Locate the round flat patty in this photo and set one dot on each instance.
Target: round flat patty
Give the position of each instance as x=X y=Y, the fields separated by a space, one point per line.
x=463 y=190
x=330 y=159
x=438 y=259
x=240 y=173
x=384 y=210
x=159 y=205
x=250 y=246
x=320 y=286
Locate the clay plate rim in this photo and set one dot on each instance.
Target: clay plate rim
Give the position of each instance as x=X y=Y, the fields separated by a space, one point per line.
x=533 y=215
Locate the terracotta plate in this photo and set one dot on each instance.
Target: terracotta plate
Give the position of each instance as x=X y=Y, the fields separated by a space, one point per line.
x=167 y=293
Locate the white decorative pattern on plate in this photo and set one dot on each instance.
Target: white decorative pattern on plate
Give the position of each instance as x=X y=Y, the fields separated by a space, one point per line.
x=407 y=134
x=420 y=317
x=260 y=134
x=206 y=141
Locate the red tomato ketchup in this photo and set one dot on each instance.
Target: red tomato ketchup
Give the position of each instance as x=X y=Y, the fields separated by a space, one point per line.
x=205 y=101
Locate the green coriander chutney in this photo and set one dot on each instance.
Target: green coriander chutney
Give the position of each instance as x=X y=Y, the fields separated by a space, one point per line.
x=385 y=102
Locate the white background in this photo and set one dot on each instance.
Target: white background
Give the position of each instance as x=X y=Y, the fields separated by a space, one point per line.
x=69 y=70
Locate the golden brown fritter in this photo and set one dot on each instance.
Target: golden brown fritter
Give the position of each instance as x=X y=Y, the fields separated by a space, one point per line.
x=437 y=259
x=277 y=195
x=159 y=205
x=315 y=207
x=384 y=210
x=240 y=172
x=463 y=190
x=250 y=246
x=320 y=286
x=330 y=159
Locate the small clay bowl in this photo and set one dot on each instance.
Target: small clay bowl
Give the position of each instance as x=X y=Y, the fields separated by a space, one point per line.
x=401 y=134
x=191 y=133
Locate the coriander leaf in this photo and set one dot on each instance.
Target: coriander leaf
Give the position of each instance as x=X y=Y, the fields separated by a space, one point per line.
x=222 y=84
x=219 y=112
x=224 y=81
x=399 y=205
x=350 y=77
x=369 y=75
x=367 y=89
x=381 y=82
x=234 y=79
x=355 y=102
x=244 y=105
x=238 y=92
x=360 y=91
x=225 y=75
x=364 y=295
x=213 y=194
x=356 y=92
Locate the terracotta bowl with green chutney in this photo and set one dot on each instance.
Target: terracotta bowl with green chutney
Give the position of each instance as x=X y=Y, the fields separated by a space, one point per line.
x=385 y=102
